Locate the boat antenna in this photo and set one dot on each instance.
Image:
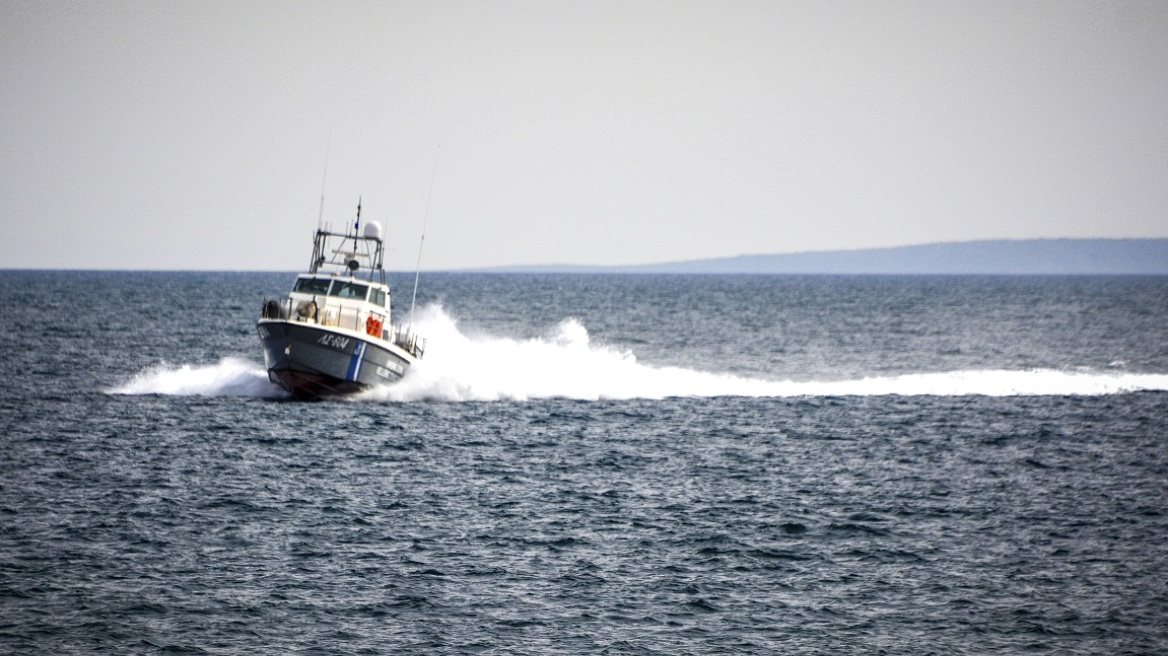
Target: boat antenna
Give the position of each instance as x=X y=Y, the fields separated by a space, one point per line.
x=327 y=145
x=356 y=234
x=426 y=220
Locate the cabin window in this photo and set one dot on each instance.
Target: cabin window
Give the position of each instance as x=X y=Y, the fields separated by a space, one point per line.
x=342 y=289
x=312 y=286
x=377 y=297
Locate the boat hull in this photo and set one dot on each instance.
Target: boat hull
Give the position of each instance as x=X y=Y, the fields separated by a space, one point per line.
x=315 y=362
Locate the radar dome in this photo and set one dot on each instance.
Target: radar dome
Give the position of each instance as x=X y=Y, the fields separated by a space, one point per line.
x=373 y=230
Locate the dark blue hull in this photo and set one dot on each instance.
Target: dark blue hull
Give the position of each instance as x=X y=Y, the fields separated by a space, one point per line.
x=312 y=362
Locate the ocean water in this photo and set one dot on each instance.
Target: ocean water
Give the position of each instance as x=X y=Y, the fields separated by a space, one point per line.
x=592 y=464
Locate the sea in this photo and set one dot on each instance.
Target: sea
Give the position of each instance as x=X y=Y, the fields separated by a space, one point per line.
x=592 y=464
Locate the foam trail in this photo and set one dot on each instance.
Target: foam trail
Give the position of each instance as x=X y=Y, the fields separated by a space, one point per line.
x=1031 y=382
x=564 y=364
x=230 y=377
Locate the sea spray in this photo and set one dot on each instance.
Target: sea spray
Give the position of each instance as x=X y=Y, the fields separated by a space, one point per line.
x=566 y=363
x=228 y=377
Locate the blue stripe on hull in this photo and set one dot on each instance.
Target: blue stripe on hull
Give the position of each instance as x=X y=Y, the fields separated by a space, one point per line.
x=355 y=362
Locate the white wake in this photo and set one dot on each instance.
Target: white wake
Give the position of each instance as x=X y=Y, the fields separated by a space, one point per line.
x=230 y=377
x=566 y=364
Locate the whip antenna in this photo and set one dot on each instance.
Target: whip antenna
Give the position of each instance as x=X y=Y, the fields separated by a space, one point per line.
x=327 y=144
x=426 y=220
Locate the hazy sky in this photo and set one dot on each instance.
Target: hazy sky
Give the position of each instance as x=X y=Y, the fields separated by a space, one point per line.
x=164 y=135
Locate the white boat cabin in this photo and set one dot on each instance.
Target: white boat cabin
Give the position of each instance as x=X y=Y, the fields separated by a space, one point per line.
x=342 y=302
x=345 y=289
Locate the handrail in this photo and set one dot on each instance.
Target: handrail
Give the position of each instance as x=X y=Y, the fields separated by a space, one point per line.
x=335 y=316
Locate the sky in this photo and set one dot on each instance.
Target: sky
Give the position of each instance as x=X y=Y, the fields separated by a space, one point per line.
x=201 y=135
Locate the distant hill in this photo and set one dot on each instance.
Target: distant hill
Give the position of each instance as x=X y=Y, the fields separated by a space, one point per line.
x=1014 y=257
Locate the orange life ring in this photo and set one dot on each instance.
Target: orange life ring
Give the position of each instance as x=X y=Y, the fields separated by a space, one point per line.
x=373 y=326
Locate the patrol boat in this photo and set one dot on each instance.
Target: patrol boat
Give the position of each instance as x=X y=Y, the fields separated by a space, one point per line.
x=333 y=334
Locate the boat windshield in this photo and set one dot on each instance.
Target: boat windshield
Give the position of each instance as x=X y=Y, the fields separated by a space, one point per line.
x=312 y=285
x=344 y=289
x=377 y=297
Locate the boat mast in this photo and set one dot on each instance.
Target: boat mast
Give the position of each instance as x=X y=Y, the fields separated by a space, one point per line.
x=422 y=242
x=356 y=247
x=324 y=179
x=317 y=243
